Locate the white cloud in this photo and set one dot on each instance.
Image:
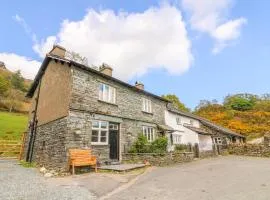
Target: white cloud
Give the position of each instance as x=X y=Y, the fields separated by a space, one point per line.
x=210 y=16
x=13 y=62
x=132 y=43
x=25 y=26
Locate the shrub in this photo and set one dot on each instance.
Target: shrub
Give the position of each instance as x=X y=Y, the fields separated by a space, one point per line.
x=159 y=145
x=181 y=147
x=141 y=145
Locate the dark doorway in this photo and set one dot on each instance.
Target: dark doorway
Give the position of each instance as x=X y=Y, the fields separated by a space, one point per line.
x=114 y=141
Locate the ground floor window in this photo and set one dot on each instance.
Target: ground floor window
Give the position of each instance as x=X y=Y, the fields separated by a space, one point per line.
x=217 y=140
x=176 y=139
x=149 y=133
x=100 y=130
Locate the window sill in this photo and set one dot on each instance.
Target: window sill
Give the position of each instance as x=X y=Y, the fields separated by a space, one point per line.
x=113 y=104
x=147 y=113
x=99 y=144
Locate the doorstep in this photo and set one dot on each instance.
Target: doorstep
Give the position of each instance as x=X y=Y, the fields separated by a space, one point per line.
x=121 y=167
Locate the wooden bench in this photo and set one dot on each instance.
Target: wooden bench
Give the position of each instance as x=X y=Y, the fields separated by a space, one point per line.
x=81 y=157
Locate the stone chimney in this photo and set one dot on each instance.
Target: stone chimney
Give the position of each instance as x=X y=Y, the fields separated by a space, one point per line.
x=106 y=69
x=58 y=51
x=2 y=65
x=139 y=85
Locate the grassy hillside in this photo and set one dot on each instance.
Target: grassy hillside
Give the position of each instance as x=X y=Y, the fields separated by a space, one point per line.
x=12 y=125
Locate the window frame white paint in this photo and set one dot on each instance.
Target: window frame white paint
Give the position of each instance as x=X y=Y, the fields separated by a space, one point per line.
x=99 y=129
x=146 y=105
x=176 y=138
x=150 y=135
x=107 y=96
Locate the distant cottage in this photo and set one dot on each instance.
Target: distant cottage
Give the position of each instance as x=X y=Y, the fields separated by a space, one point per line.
x=75 y=106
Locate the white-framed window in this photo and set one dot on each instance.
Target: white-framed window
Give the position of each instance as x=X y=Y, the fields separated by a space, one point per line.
x=191 y=122
x=176 y=139
x=107 y=93
x=178 y=121
x=147 y=105
x=217 y=140
x=149 y=133
x=100 y=132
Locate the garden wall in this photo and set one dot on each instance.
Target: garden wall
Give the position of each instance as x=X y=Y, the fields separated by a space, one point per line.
x=249 y=150
x=156 y=159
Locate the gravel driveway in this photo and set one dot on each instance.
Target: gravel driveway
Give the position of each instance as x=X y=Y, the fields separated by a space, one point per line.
x=21 y=183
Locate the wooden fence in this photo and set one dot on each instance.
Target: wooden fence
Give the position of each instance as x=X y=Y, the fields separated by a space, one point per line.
x=12 y=148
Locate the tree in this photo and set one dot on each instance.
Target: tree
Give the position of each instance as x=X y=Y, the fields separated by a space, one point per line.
x=176 y=102
x=14 y=100
x=240 y=102
x=4 y=86
x=17 y=81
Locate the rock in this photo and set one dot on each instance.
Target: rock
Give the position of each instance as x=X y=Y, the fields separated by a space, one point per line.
x=48 y=175
x=42 y=170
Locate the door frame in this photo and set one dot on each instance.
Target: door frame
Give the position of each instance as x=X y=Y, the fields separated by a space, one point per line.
x=118 y=140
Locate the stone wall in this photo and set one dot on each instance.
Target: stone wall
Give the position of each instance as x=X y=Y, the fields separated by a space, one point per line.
x=49 y=147
x=85 y=96
x=249 y=150
x=158 y=159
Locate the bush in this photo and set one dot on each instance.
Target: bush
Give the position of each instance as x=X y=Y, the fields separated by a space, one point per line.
x=159 y=145
x=141 y=145
x=181 y=147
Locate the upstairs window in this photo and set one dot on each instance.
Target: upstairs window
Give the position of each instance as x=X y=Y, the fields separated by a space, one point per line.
x=149 y=133
x=107 y=93
x=191 y=122
x=147 y=105
x=100 y=130
x=178 y=121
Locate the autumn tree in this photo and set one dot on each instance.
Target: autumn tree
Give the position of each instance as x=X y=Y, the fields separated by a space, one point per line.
x=176 y=102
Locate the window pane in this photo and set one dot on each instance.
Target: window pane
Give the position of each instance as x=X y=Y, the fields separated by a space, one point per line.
x=95 y=124
x=104 y=125
x=103 y=133
x=94 y=136
x=106 y=93
x=103 y=139
x=100 y=91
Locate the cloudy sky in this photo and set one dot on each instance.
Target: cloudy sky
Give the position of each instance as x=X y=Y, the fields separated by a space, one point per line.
x=196 y=49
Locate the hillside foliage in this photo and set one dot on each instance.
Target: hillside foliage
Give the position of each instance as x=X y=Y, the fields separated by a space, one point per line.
x=13 y=88
x=243 y=113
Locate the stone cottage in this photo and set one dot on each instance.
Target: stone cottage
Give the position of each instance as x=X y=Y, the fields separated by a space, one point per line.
x=76 y=106
x=192 y=129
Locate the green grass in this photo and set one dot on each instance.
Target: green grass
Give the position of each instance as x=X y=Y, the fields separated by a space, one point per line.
x=12 y=125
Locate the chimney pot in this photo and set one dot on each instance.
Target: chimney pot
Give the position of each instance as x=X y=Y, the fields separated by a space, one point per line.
x=139 y=85
x=106 y=69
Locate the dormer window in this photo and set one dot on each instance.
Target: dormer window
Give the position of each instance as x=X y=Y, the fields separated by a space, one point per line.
x=147 y=105
x=107 y=93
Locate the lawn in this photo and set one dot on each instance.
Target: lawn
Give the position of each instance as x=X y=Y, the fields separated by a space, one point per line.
x=12 y=125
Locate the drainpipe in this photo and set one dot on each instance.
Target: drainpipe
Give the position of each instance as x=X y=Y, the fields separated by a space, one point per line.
x=33 y=130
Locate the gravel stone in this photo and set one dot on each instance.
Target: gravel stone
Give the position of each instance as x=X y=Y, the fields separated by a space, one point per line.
x=17 y=182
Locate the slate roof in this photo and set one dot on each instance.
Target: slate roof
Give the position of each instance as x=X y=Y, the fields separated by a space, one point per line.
x=197 y=130
x=49 y=57
x=204 y=122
